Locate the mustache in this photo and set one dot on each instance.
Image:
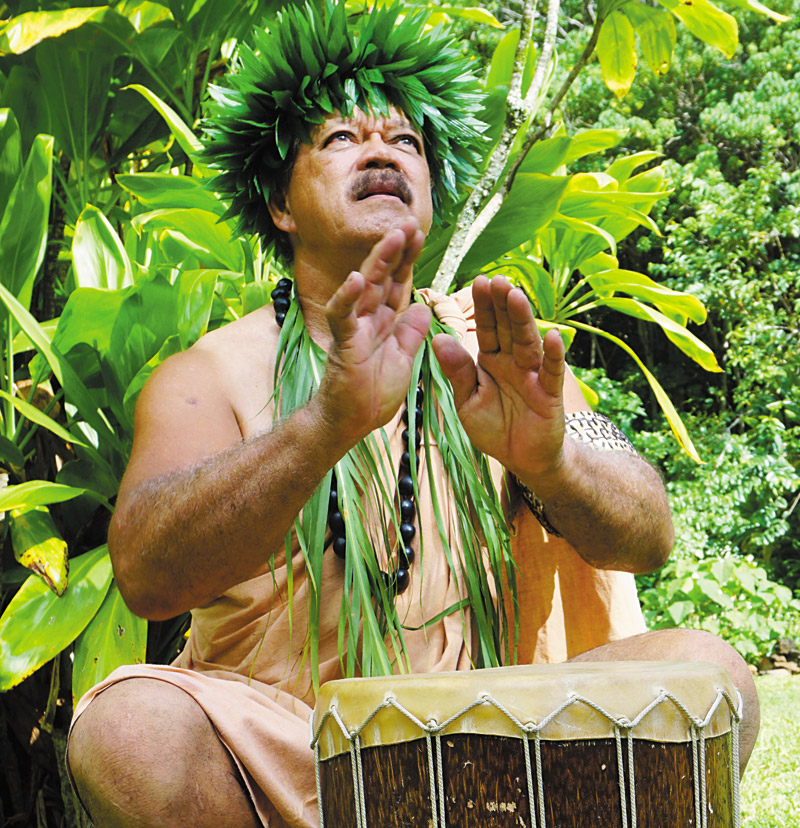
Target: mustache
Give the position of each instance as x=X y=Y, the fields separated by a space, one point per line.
x=382 y=180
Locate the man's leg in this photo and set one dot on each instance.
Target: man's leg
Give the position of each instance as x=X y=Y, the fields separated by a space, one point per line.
x=691 y=645
x=145 y=755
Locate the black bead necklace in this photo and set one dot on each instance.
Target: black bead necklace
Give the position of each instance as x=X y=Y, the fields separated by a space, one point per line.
x=399 y=579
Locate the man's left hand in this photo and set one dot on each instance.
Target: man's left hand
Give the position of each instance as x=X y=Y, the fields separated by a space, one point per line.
x=511 y=403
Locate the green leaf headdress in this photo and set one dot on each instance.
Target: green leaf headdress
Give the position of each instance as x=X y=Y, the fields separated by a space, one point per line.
x=308 y=66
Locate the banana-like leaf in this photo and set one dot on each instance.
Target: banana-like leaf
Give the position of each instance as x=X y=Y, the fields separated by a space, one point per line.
x=98 y=258
x=502 y=65
x=195 y=298
x=547 y=156
x=643 y=287
x=33 y=330
x=591 y=141
x=657 y=34
x=708 y=23
x=23 y=228
x=677 y=334
x=23 y=32
x=32 y=413
x=201 y=230
x=10 y=155
x=183 y=134
x=37 y=625
x=622 y=168
x=616 y=50
x=530 y=206
x=38 y=546
x=158 y=190
x=75 y=74
x=39 y=493
x=114 y=637
x=673 y=418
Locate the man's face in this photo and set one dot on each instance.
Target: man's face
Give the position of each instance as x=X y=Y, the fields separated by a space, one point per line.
x=358 y=178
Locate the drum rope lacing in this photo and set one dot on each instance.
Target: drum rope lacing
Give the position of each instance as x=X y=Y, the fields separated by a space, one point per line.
x=622 y=725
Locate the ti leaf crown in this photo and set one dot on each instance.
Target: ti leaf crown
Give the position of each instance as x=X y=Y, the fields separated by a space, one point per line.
x=306 y=67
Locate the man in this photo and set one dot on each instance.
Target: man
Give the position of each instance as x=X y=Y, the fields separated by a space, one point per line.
x=207 y=516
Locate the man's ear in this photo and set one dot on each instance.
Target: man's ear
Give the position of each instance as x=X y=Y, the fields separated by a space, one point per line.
x=278 y=206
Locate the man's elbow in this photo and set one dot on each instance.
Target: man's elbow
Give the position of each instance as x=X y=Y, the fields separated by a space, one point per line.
x=657 y=545
x=139 y=591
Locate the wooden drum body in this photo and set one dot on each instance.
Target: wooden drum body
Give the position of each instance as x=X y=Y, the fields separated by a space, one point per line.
x=631 y=744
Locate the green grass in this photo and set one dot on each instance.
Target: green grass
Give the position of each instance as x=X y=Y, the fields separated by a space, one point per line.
x=771 y=785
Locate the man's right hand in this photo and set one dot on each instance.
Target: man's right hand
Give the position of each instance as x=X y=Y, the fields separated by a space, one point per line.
x=375 y=337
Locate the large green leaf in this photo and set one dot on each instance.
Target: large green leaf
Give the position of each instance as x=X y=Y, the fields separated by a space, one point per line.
x=36 y=493
x=622 y=168
x=37 y=625
x=530 y=206
x=23 y=228
x=673 y=418
x=10 y=155
x=593 y=140
x=616 y=50
x=39 y=338
x=677 y=334
x=708 y=23
x=547 y=156
x=98 y=257
x=676 y=304
x=183 y=134
x=202 y=232
x=75 y=74
x=195 y=298
x=760 y=8
x=657 y=34
x=115 y=636
x=23 y=32
x=32 y=413
x=88 y=317
x=171 y=191
x=38 y=546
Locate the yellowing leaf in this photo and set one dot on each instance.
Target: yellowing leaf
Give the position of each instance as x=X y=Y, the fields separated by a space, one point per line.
x=707 y=22
x=616 y=50
x=38 y=546
x=657 y=34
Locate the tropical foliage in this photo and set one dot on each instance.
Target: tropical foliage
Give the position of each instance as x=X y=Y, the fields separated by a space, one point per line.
x=114 y=255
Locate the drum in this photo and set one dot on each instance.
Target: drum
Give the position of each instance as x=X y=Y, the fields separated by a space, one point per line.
x=630 y=744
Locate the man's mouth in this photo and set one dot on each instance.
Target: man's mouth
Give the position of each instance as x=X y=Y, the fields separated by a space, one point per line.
x=385 y=182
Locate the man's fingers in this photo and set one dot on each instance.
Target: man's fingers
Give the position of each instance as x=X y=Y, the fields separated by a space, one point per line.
x=458 y=367
x=341 y=306
x=402 y=273
x=378 y=267
x=526 y=343
x=412 y=328
x=485 y=322
x=551 y=373
x=500 y=288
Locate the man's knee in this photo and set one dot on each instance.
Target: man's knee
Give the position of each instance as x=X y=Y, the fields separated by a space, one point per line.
x=134 y=755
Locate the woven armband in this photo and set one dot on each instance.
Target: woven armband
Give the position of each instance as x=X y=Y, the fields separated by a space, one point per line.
x=596 y=431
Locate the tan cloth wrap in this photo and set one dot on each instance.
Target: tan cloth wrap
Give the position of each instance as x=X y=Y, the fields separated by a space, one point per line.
x=532 y=694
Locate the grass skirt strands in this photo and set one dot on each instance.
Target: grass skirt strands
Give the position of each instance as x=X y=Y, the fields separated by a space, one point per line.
x=314 y=62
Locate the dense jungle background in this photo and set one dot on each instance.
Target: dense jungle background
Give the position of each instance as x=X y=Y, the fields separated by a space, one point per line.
x=681 y=191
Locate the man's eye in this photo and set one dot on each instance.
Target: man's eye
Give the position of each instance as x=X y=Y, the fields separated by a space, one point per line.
x=410 y=140
x=342 y=135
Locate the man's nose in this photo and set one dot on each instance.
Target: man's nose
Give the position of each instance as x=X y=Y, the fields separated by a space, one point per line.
x=376 y=153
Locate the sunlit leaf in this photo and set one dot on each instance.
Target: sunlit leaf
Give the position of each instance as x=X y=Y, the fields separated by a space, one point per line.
x=114 y=637
x=32 y=413
x=474 y=13
x=673 y=418
x=36 y=493
x=23 y=32
x=37 y=624
x=173 y=191
x=10 y=155
x=183 y=134
x=24 y=225
x=616 y=50
x=622 y=168
x=593 y=140
x=98 y=257
x=759 y=8
x=677 y=334
x=708 y=23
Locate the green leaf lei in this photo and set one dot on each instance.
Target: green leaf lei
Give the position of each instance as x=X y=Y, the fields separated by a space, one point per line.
x=366 y=485
x=312 y=63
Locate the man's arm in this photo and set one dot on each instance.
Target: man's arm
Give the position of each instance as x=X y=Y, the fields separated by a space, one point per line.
x=610 y=506
x=199 y=510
